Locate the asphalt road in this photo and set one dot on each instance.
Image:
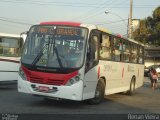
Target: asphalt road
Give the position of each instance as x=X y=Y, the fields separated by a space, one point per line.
x=144 y=101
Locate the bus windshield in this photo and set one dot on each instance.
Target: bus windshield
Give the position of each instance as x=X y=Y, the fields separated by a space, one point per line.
x=50 y=47
x=10 y=47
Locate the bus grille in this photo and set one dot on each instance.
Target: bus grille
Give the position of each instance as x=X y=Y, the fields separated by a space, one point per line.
x=46 y=81
x=55 y=82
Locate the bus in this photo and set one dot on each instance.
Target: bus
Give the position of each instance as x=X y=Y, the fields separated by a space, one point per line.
x=76 y=61
x=10 y=49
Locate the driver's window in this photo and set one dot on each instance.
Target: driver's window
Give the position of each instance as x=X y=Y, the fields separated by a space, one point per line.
x=93 y=47
x=92 y=51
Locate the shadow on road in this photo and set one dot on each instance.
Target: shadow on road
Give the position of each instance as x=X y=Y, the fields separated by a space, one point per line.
x=8 y=87
x=113 y=104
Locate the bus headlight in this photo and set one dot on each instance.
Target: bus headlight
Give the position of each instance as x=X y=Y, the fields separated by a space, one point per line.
x=22 y=74
x=73 y=80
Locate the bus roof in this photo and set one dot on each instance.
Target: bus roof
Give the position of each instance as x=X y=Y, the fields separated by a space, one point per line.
x=61 y=23
x=89 y=26
x=118 y=35
x=9 y=35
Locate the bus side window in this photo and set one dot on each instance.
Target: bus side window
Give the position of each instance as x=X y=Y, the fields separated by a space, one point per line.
x=140 y=55
x=134 y=53
x=93 y=48
x=116 y=50
x=105 y=47
x=126 y=52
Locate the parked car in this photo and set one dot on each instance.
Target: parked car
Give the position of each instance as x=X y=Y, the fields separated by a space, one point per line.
x=146 y=72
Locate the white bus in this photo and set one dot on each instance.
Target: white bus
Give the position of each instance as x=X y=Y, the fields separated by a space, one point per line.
x=76 y=61
x=10 y=49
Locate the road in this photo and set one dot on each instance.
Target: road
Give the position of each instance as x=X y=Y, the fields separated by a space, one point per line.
x=144 y=101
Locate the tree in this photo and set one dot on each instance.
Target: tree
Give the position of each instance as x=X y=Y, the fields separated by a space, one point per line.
x=149 y=29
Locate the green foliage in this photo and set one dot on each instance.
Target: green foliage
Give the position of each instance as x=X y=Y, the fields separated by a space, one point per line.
x=156 y=14
x=149 y=29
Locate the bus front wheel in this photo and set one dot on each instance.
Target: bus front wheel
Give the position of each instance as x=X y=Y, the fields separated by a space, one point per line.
x=99 y=93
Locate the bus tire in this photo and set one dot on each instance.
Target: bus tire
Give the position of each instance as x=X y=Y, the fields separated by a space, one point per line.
x=99 y=93
x=132 y=87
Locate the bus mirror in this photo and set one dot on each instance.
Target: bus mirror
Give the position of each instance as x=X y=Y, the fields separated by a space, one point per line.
x=23 y=35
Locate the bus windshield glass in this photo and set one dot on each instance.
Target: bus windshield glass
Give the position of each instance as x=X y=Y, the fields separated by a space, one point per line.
x=10 y=47
x=51 y=47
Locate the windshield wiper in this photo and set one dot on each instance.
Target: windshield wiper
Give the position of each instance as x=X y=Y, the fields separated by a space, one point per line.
x=58 y=58
x=49 y=51
x=39 y=55
x=53 y=42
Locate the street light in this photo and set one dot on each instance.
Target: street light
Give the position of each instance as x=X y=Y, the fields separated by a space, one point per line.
x=107 y=12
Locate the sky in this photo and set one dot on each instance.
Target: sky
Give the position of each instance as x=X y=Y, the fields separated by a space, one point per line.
x=17 y=16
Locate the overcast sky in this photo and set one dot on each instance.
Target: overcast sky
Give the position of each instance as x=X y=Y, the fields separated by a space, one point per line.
x=17 y=16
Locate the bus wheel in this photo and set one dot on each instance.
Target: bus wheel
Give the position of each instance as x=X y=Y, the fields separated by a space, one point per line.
x=99 y=93
x=132 y=87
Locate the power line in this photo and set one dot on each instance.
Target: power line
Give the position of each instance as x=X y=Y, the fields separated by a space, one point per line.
x=97 y=12
x=112 y=22
x=102 y=12
x=91 y=12
x=54 y=3
x=15 y=19
x=73 y=4
x=16 y=22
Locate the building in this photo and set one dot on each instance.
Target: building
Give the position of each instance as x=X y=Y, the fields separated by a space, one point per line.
x=152 y=55
x=135 y=24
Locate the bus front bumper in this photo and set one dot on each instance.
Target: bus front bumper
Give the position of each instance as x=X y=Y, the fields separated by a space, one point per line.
x=73 y=92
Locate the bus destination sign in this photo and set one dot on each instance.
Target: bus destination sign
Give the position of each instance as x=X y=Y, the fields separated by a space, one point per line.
x=59 y=31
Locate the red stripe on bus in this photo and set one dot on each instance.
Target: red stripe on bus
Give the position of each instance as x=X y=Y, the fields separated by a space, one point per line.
x=61 y=23
x=48 y=78
x=122 y=72
x=98 y=72
x=7 y=60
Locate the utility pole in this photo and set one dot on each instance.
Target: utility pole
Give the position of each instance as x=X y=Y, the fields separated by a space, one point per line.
x=130 y=20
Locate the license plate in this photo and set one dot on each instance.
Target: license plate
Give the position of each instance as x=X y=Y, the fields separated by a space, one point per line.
x=43 y=88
